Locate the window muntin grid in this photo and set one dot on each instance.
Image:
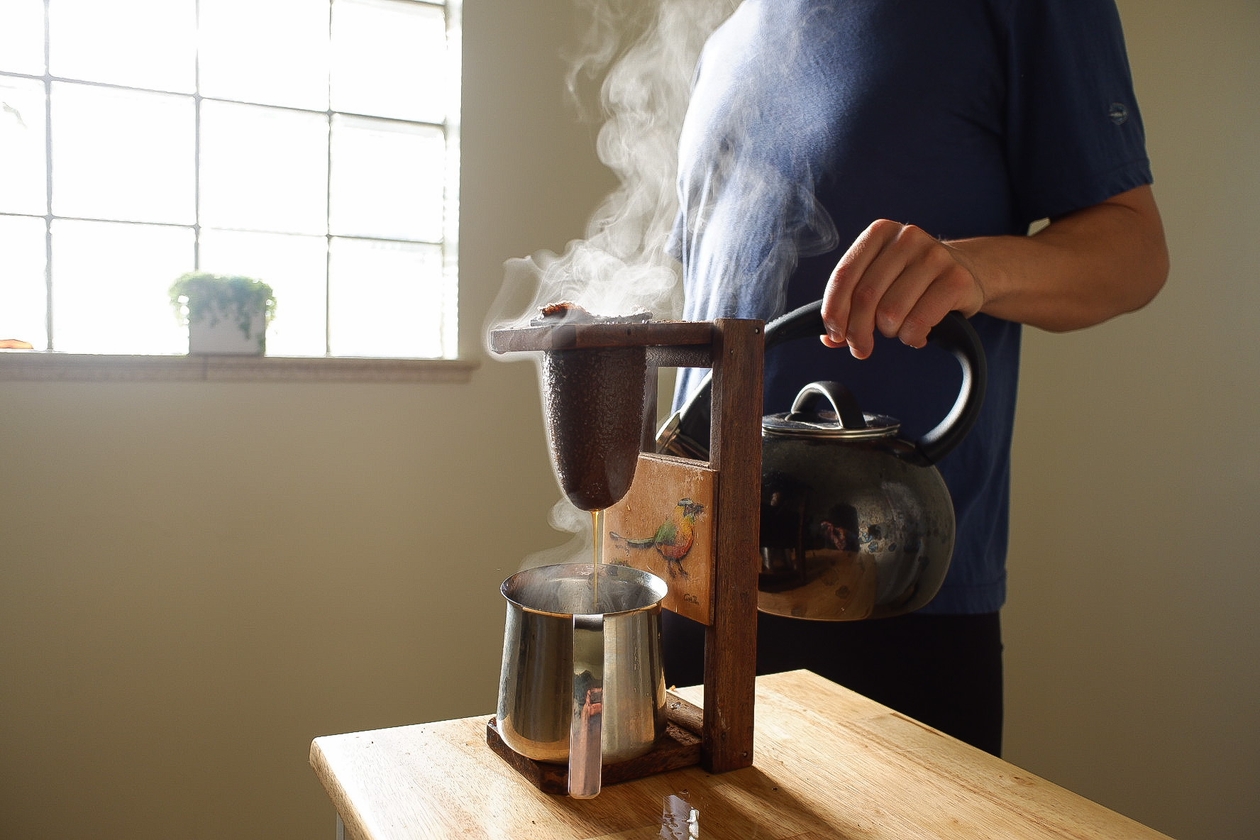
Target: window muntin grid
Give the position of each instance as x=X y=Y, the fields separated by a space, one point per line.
x=317 y=190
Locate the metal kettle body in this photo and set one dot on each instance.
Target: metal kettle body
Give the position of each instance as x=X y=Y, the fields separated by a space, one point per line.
x=856 y=521
x=852 y=526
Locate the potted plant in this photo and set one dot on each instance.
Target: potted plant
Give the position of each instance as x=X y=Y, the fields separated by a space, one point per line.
x=224 y=314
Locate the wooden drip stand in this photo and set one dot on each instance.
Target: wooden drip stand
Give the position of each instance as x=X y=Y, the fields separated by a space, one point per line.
x=716 y=582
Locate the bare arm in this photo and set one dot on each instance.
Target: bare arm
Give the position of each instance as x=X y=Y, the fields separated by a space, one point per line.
x=1079 y=270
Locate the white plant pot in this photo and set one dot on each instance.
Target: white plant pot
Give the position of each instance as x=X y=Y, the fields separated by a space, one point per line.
x=231 y=333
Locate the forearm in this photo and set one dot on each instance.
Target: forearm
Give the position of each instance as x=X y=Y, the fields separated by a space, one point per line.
x=1078 y=271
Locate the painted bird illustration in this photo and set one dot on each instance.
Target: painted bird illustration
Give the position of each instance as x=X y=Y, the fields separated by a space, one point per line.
x=673 y=540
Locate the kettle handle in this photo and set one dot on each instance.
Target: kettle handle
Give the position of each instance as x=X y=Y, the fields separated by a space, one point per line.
x=687 y=432
x=954 y=334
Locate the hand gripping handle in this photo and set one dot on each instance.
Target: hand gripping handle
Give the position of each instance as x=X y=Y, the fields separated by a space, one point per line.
x=687 y=433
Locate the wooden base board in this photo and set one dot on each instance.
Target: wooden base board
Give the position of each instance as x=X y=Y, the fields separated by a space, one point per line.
x=679 y=747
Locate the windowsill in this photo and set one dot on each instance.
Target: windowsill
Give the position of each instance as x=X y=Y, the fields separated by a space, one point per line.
x=41 y=366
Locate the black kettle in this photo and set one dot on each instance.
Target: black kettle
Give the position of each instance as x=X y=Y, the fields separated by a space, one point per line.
x=856 y=522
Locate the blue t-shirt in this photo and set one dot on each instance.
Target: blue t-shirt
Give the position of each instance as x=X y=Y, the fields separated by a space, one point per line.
x=810 y=119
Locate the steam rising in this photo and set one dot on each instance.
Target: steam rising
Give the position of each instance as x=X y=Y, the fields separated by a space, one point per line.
x=640 y=57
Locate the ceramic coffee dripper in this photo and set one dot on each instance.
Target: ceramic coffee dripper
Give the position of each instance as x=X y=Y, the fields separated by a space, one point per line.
x=582 y=682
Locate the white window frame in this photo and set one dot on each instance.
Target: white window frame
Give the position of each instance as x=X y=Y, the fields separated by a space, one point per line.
x=45 y=365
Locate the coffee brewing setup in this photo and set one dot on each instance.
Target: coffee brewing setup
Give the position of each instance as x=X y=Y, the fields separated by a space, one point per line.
x=820 y=513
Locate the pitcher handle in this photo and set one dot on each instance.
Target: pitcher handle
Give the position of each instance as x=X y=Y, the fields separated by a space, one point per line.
x=587 y=726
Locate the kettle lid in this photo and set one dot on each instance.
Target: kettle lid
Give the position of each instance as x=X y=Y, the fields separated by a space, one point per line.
x=838 y=416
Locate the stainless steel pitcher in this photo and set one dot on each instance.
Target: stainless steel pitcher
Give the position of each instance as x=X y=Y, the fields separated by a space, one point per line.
x=582 y=681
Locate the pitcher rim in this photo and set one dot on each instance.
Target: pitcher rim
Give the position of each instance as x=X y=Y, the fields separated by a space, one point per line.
x=647 y=579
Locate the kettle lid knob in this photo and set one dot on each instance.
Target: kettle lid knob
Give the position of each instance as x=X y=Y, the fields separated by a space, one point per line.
x=828 y=410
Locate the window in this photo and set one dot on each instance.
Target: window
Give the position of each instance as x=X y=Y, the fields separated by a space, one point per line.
x=309 y=143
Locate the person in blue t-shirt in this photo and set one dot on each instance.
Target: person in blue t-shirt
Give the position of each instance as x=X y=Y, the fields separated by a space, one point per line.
x=889 y=158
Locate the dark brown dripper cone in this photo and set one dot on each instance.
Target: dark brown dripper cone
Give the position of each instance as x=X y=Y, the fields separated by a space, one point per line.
x=593 y=400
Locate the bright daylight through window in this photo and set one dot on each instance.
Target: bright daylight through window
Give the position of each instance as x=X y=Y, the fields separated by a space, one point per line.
x=307 y=143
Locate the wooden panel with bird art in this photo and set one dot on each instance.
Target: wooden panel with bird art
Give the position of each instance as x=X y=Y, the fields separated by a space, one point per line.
x=665 y=525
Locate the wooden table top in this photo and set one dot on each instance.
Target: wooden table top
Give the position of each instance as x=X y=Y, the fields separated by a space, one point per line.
x=829 y=763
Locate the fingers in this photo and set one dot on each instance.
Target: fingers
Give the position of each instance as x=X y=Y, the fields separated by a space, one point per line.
x=837 y=308
x=896 y=279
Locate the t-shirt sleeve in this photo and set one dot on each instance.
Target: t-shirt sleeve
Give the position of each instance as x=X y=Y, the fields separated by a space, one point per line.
x=1075 y=134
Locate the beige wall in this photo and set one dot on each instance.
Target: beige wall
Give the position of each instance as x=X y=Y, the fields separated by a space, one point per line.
x=1132 y=631
x=197 y=579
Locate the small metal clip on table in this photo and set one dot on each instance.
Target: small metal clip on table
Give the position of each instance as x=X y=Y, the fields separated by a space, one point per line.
x=829 y=763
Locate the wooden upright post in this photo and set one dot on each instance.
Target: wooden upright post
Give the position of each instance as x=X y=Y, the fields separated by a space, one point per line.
x=730 y=665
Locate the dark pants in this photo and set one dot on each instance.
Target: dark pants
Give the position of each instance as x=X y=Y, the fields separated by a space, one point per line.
x=943 y=670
